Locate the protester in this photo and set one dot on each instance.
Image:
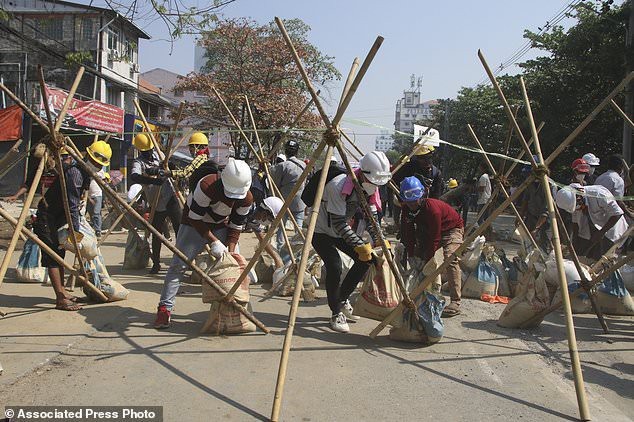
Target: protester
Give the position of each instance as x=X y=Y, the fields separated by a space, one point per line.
x=95 y=201
x=215 y=213
x=422 y=167
x=533 y=209
x=261 y=214
x=427 y=225
x=452 y=183
x=484 y=192
x=51 y=215
x=594 y=162
x=597 y=218
x=613 y=181
x=280 y=158
x=285 y=175
x=580 y=170
x=167 y=206
x=199 y=150
x=333 y=233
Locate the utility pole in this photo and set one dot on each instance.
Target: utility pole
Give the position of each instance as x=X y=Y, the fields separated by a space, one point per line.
x=629 y=91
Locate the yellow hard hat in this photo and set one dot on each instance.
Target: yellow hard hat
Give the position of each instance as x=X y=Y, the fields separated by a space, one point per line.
x=142 y=142
x=198 y=138
x=101 y=152
x=424 y=150
x=453 y=183
x=63 y=151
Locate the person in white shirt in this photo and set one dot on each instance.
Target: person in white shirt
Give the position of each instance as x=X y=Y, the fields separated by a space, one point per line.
x=613 y=181
x=484 y=192
x=95 y=201
x=596 y=217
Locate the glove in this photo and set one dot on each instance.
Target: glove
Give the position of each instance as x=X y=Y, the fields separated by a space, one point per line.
x=153 y=171
x=158 y=181
x=217 y=249
x=364 y=252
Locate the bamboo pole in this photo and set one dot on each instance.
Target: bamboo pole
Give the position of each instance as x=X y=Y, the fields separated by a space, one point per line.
x=24 y=107
x=10 y=155
x=185 y=136
x=502 y=188
x=582 y=402
x=22 y=218
x=622 y=114
x=69 y=99
x=288 y=338
x=405 y=159
x=169 y=245
x=607 y=257
x=349 y=79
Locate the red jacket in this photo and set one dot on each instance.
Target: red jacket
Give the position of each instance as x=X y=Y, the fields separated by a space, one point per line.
x=421 y=230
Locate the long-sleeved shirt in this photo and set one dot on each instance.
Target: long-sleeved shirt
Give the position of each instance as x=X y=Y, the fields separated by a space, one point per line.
x=422 y=230
x=150 y=188
x=52 y=203
x=209 y=204
x=187 y=171
x=285 y=175
x=430 y=177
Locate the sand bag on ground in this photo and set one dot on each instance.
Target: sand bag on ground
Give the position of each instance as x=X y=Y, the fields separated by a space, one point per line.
x=425 y=325
x=471 y=256
x=264 y=269
x=113 y=290
x=627 y=273
x=224 y=318
x=29 y=267
x=531 y=297
x=287 y=287
x=137 y=251
x=579 y=304
x=613 y=297
x=505 y=269
x=483 y=279
x=379 y=293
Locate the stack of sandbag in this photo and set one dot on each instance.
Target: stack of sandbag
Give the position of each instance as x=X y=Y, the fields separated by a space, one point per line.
x=484 y=279
x=507 y=273
x=284 y=279
x=531 y=297
x=137 y=251
x=29 y=268
x=379 y=293
x=424 y=325
x=471 y=256
x=224 y=318
x=97 y=271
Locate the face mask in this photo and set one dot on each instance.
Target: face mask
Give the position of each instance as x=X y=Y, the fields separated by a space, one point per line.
x=146 y=155
x=580 y=177
x=591 y=172
x=369 y=188
x=94 y=167
x=66 y=164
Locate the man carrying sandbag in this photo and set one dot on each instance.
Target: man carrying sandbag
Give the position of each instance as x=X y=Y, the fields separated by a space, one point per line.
x=215 y=213
x=428 y=224
x=333 y=233
x=51 y=215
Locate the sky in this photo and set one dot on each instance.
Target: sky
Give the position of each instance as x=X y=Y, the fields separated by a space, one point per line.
x=437 y=40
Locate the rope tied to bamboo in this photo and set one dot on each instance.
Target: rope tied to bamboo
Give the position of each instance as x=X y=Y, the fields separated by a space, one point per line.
x=54 y=142
x=331 y=136
x=540 y=171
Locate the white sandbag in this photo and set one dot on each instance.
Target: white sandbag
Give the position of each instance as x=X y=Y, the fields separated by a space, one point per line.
x=471 y=256
x=137 y=251
x=379 y=293
x=572 y=275
x=88 y=245
x=113 y=290
x=483 y=279
x=627 y=273
x=29 y=269
x=287 y=287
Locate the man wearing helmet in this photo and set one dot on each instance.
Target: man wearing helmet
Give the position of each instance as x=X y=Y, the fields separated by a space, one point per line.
x=258 y=219
x=199 y=150
x=580 y=171
x=333 y=233
x=428 y=224
x=51 y=215
x=155 y=184
x=285 y=175
x=594 y=162
x=215 y=213
x=533 y=209
x=422 y=167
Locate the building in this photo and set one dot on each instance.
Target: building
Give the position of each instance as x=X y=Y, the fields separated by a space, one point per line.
x=384 y=142
x=410 y=108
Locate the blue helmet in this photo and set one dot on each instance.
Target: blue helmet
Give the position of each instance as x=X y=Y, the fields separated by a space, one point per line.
x=411 y=189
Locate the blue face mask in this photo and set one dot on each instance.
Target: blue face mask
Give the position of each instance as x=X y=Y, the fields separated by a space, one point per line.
x=66 y=164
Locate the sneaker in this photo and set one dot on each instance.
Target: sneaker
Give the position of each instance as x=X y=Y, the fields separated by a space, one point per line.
x=346 y=309
x=155 y=269
x=338 y=323
x=163 y=317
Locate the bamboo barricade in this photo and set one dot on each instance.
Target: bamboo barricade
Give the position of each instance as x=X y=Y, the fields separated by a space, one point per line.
x=12 y=156
x=622 y=114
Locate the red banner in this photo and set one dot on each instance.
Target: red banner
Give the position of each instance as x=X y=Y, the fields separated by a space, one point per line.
x=10 y=123
x=85 y=114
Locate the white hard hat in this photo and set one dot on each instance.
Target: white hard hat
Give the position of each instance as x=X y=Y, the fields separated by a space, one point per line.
x=376 y=168
x=334 y=159
x=273 y=204
x=236 y=179
x=566 y=199
x=281 y=157
x=591 y=159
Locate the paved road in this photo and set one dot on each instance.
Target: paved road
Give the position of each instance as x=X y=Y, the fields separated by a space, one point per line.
x=110 y=355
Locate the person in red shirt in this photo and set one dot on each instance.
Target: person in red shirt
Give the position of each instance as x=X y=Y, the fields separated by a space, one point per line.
x=427 y=225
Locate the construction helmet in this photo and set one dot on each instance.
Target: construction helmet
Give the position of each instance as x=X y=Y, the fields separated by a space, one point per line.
x=63 y=151
x=101 y=152
x=424 y=150
x=591 y=159
x=580 y=165
x=453 y=183
x=142 y=142
x=236 y=179
x=376 y=168
x=198 y=138
x=292 y=147
x=411 y=189
x=272 y=204
x=566 y=199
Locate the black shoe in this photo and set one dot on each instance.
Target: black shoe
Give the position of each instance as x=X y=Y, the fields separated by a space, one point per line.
x=155 y=269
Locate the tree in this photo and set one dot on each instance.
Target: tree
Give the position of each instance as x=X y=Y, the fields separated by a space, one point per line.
x=246 y=58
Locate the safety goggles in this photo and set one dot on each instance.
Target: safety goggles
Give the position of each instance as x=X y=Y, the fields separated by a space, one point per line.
x=412 y=194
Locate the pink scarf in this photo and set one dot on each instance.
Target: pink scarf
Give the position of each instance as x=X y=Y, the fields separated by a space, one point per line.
x=348 y=188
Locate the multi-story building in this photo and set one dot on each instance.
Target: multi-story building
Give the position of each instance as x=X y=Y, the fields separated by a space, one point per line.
x=410 y=108
x=384 y=142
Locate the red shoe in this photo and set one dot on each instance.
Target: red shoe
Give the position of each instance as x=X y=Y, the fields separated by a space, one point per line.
x=163 y=317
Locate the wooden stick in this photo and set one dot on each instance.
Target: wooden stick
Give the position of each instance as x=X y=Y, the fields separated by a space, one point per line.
x=288 y=338
x=582 y=402
x=622 y=114
x=186 y=136
x=607 y=257
x=405 y=158
x=22 y=218
x=69 y=99
x=47 y=107
x=24 y=107
x=507 y=145
x=169 y=245
x=8 y=157
x=351 y=74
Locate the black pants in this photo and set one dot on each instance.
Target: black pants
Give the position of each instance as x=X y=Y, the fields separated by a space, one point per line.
x=174 y=213
x=326 y=246
x=45 y=228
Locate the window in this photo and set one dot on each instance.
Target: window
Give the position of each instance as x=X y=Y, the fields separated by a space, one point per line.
x=87 y=32
x=113 y=40
x=50 y=29
x=129 y=51
x=113 y=96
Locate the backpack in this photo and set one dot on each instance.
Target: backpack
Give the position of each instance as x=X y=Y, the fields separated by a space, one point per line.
x=206 y=168
x=310 y=190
